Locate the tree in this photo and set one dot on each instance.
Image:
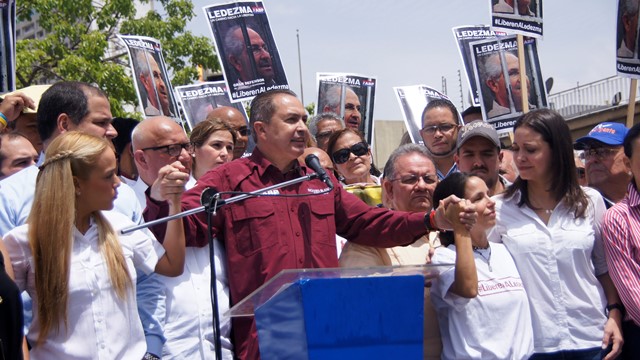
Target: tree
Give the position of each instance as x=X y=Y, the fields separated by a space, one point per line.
x=82 y=45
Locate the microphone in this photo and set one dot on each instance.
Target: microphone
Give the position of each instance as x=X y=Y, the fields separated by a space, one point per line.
x=208 y=194
x=313 y=162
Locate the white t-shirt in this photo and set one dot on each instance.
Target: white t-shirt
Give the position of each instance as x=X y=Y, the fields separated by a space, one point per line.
x=101 y=325
x=496 y=324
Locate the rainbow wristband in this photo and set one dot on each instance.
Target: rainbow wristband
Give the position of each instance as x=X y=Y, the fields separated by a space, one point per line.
x=3 y=120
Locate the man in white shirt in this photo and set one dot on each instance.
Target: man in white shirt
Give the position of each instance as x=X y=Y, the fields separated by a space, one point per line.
x=188 y=320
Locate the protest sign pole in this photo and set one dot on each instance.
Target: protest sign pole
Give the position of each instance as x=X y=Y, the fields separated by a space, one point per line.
x=523 y=75
x=631 y=107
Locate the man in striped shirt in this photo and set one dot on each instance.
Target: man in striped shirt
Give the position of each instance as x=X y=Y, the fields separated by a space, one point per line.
x=621 y=231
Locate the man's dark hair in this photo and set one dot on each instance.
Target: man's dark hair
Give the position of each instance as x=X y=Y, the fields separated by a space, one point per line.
x=65 y=97
x=632 y=135
x=441 y=103
x=262 y=107
x=472 y=110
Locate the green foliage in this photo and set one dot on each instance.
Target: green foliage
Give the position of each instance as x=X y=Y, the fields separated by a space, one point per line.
x=82 y=44
x=311 y=108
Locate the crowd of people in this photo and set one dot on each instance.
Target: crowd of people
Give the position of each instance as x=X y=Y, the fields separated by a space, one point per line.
x=567 y=269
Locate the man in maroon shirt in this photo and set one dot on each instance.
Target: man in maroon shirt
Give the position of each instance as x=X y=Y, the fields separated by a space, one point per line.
x=267 y=234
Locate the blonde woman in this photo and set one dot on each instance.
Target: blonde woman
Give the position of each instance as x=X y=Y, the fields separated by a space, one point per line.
x=72 y=261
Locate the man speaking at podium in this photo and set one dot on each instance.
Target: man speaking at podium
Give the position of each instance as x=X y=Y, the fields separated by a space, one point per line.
x=293 y=227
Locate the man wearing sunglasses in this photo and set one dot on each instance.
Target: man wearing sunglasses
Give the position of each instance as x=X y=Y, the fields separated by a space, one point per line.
x=608 y=169
x=321 y=127
x=440 y=123
x=292 y=227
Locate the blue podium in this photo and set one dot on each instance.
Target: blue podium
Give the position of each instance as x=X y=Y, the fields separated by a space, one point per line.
x=359 y=313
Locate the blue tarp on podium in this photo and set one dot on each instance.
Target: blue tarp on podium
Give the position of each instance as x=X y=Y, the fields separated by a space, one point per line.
x=369 y=313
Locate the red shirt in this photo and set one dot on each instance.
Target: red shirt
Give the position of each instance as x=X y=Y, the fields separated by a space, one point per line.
x=265 y=235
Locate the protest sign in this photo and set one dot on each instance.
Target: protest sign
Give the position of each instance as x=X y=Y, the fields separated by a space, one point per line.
x=351 y=96
x=627 y=62
x=8 y=46
x=240 y=29
x=522 y=17
x=152 y=84
x=495 y=60
x=465 y=35
x=198 y=100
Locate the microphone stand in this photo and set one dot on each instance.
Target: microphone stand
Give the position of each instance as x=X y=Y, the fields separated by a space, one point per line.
x=218 y=203
x=214 y=203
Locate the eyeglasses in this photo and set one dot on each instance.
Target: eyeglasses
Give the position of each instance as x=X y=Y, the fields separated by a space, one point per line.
x=173 y=149
x=342 y=156
x=600 y=153
x=413 y=179
x=324 y=134
x=352 y=107
x=243 y=131
x=256 y=49
x=443 y=128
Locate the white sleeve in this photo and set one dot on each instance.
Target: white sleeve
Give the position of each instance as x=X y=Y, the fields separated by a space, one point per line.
x=441 y=290
x=147 y=251
x=18 y=256
x=599 y=208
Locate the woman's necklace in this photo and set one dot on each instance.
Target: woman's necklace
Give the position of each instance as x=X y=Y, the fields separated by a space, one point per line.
x=481 y=251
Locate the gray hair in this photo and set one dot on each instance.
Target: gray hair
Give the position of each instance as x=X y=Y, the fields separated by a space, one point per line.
x=315 y=120
x=331 y=96
x=406 y=149
x=141 y=65
x=234 y=45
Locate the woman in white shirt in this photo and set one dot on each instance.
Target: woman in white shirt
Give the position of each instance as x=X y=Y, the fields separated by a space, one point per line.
x=72 y=262
x=552 y=228
x=481 y=304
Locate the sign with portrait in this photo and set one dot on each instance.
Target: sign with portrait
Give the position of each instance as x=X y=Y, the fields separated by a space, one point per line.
x=198 y=100
x=246 y=48
x=413 y=100
x=522 y=17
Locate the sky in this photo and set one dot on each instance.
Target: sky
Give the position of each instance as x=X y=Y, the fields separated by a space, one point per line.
x=410 y=42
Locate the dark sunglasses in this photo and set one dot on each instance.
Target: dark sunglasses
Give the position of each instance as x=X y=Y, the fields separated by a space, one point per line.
x=243 y=131
x=342 y=156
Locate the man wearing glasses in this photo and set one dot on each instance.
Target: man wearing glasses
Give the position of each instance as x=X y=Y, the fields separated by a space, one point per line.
x=608 y=169
x=156 y=142
x=322 y=126
x=440 y=123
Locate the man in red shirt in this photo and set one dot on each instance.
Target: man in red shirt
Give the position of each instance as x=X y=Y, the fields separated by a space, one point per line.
x=290 y=228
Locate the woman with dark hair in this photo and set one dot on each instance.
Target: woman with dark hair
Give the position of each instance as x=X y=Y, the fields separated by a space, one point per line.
x=495 y=324
x=213 y=140
x=351 y=157
x=352 y=161
x=552 y=228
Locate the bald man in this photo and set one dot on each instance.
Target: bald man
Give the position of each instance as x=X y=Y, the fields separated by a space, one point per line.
x=156 y=142
x=239 y=123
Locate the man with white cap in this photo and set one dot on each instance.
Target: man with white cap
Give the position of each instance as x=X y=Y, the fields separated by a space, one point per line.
x=26 y=123
x=608 y=169
x=478 y=153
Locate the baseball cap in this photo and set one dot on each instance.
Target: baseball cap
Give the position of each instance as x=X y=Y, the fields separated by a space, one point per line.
x=34 y=92
x=609 y=133
x=478 y=128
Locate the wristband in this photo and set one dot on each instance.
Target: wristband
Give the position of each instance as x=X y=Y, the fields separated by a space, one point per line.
x=614 y=306
x=3 y=120
x=429 y=221
x=150 y=356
